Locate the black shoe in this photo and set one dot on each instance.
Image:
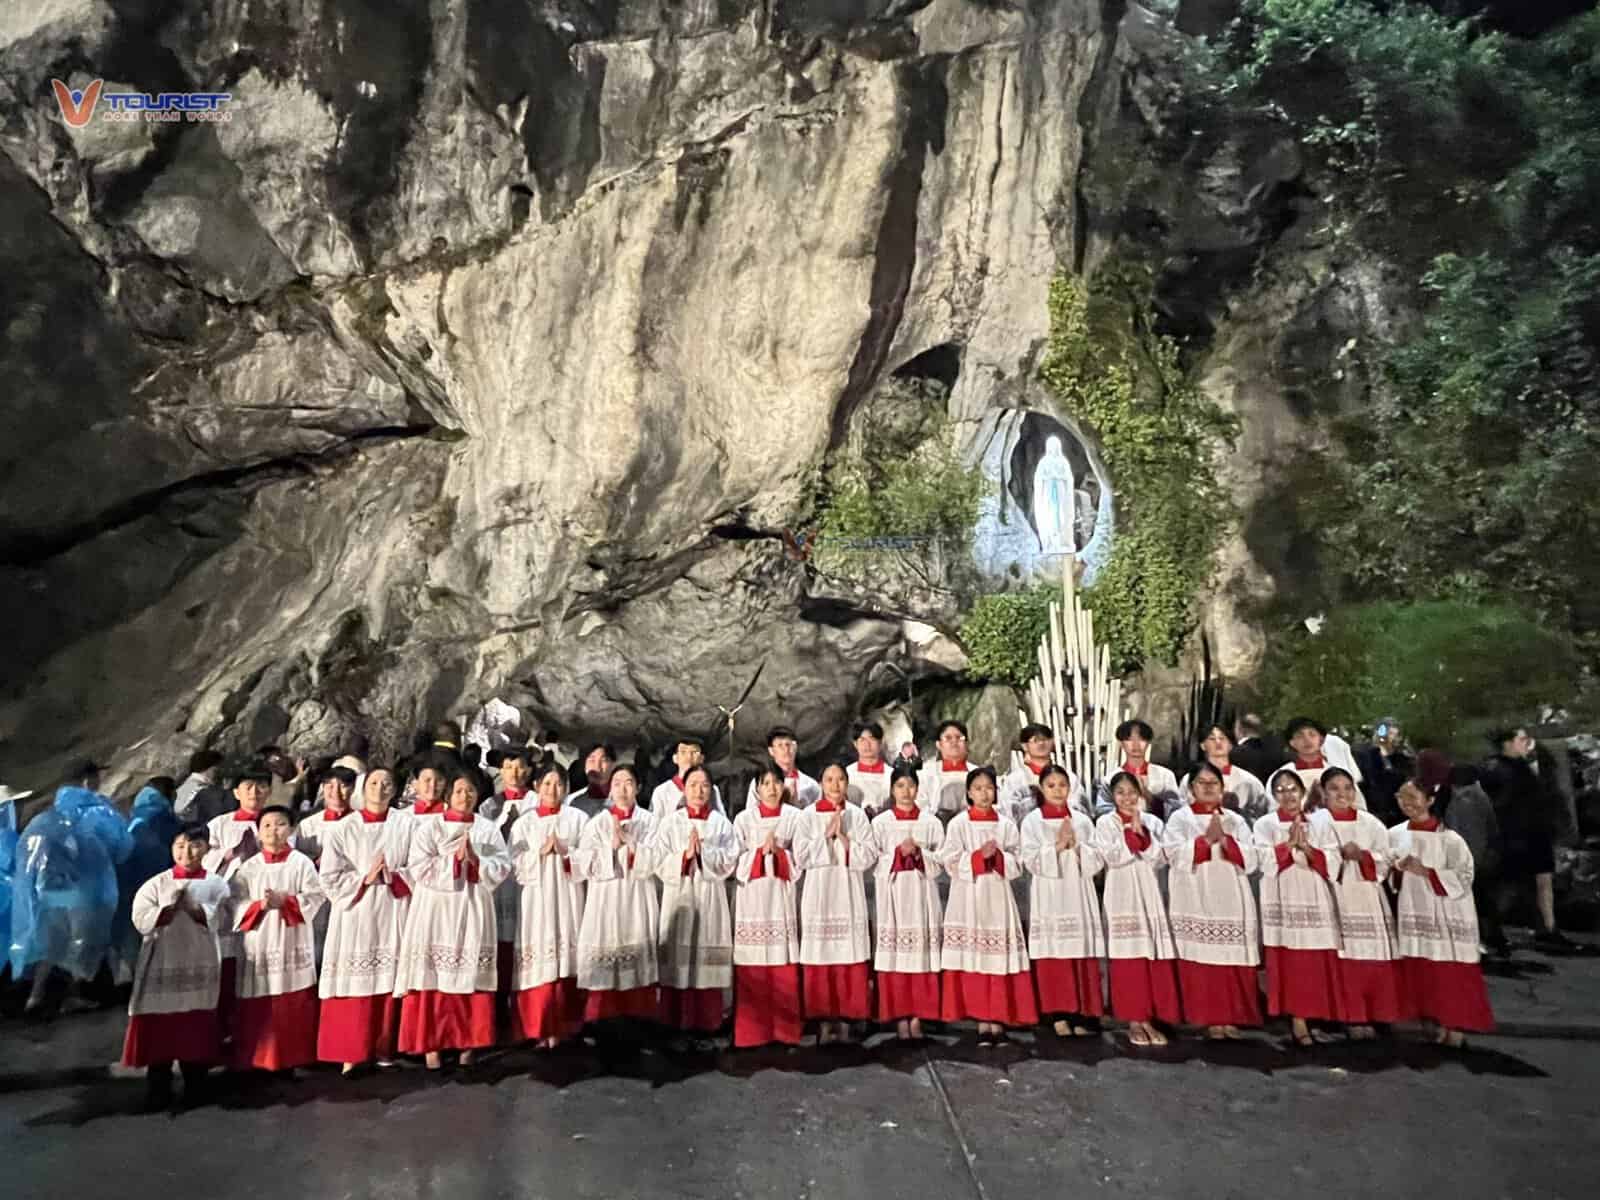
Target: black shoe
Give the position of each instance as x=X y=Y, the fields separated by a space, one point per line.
x=1554 y=941
x=158 y=1089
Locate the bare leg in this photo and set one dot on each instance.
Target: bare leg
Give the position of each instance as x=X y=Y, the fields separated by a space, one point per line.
x=431 y=1060
x=467 y=1056
x=916 y=1028
x=1302 y=1031
x=902 y=1030
x=1544 y=895
x=1063 y=1029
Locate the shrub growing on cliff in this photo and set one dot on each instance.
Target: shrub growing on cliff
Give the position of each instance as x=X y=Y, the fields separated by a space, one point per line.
x=1448 y=670
x=927 y=492
x=1479 y=159
x=1001 y=634
x=1161 y=440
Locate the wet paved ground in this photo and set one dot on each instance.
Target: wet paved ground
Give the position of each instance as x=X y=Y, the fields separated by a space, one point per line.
x=1510 y=1116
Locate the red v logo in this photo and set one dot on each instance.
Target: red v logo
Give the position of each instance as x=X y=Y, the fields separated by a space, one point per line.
x=77 y=107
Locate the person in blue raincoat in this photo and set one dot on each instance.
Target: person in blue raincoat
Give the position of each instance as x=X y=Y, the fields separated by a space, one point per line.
x=152 y=826
x=8 y=859
x=64 y=895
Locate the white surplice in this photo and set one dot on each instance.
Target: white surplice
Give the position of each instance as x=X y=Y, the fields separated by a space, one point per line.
x=180 y=965
x=943 y=792
x=550 y=895
x=1442 y=928
x=1137 y=925
x=869 y=790
x=617 y=940
x=1212 y=907
x=1063 y=908
x=448 y=944
x=1366 y=919
x=312 y=833
x=835 y=923
x=1162 y=784
x=1243 y=792
x=505 y=813
x=366 y=920
x=766 y=927
x=226 y=833
x=1298 y=909
x=803 y=790
x=982 y=929
x=1017 y=799
x=695 y=942
x=275 y=957
x=909 y=912
x=668 y=798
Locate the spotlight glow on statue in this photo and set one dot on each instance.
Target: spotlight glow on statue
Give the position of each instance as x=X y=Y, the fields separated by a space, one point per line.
x=1054 y=501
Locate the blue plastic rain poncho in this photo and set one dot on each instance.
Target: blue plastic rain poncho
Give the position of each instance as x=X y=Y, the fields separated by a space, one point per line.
x=8 y=865
x=65 y=891
x=151 y=828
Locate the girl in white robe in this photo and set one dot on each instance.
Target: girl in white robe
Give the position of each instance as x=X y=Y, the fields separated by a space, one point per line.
x=447 y=975
x=835 y=849
x=1299 y=916
x=1065 y=933
x=766 y=929
x=172 y=1013
x=985 y=958
x=1369 y=979
x=546 y=1001
x=696 y=852
x=1242 y=791
x=365 y=868
x=1139 y=945
x=275 y=896
x=617 y=952
x=909 y=913
x=1211 y=855
x=1440 y=978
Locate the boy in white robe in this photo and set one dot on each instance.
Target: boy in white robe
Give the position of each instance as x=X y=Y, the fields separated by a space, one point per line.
x=1016 y=789
x=688 y=752
x=1160 y=784
x=172 y=1013
x=868 y=775
x=232 y=840
x=942 y=786
x=1139 y=945
x=275 y=895
x=782 y=747
x=835 y=850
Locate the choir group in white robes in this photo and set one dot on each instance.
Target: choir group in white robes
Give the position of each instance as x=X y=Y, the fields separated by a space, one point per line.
x=835 y=913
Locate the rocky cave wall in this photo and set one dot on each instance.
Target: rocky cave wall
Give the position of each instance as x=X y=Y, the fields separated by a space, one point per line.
x=492 y=344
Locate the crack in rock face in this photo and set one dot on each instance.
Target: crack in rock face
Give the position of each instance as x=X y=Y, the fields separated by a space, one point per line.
x=442 y=368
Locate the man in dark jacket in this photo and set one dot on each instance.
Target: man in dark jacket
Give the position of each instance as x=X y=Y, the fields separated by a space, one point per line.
x=1254 y=749
x=1385 y=765
x=1527 y=805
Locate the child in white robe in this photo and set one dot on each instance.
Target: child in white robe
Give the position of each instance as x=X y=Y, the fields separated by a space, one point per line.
x=1017 y=789
x=275 y=896
x=1065 y=931
x=1211 y=855
x=510 y=801
x=1369 y=978
x=365 y=868
x=232 y=840
x=311 y=834
x=766 y=928
x=985 y=958
x=617 y=956
x=1139 y=946
x=942 y=787
x=1242 y=791
x=1299 y=916
x=172 y=1013
x=835 y=849
x=910 y=915
x=782 y=747
x=548 y=1004
x=447 y=975
x=688 y=752
x=696 y=850
x=1440 y=977
x=869 y=774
